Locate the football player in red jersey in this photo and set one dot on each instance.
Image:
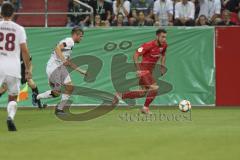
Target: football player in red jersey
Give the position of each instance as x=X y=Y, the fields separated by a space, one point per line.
x=151 y=52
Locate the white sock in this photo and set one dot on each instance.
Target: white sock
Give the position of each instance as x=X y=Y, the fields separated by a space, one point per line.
x=64 y=100
x=45 y=95
x=119 y=96
x=12 y=109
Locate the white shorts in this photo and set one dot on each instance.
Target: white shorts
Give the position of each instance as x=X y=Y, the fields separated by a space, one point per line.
x=57 y=76
x=13 y=84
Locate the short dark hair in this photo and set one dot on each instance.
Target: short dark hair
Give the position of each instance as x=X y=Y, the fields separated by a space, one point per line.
x=77 y=30
x=7 y=9
x=161 y=30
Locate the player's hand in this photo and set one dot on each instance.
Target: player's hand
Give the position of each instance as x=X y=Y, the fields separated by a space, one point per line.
x=86 y=73
x=162 y=70
x=28 y=74
x=66 y=63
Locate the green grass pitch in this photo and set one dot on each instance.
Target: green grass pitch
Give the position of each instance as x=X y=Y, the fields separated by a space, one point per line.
x=212 y=134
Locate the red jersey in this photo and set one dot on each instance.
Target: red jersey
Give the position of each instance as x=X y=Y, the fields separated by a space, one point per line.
x=151 y=53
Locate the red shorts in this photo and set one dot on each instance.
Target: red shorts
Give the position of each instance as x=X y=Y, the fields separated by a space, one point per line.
x=146 y=80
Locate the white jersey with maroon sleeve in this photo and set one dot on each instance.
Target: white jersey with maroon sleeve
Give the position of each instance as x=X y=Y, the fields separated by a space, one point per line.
x=68 y=44
x=11 y=36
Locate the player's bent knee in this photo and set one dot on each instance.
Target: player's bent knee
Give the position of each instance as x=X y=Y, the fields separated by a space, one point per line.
x=143 y=93
x=69 y=88
x=154 y=87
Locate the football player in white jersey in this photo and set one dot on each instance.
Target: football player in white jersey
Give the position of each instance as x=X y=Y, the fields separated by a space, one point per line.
x=30 y=83
x=13 y=40
x=57 y=73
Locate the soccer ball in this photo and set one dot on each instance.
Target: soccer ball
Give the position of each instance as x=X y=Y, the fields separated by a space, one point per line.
x=185 y=106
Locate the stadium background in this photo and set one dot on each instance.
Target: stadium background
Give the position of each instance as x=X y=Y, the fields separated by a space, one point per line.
x=200 y=57
x=203 y=59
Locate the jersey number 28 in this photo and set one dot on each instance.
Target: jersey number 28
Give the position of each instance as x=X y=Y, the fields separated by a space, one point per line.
x=10 y=39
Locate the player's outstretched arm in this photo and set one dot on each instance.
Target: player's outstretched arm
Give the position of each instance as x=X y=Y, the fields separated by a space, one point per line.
x=163 y=63
x=76 y=68
x=163 y=60
x=136 y=60
x=58 y=51
x=136 y=57
x=26 y=59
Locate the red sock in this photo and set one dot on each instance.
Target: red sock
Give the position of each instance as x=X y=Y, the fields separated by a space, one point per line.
x=133 y=94
x=150 y=97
